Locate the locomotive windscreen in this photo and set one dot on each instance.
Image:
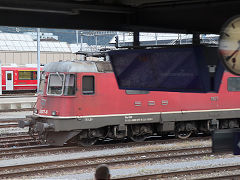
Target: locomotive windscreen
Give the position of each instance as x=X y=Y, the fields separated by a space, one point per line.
x=182 y=69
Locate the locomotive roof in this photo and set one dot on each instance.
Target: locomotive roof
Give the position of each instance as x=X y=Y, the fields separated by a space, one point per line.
x=78 y=66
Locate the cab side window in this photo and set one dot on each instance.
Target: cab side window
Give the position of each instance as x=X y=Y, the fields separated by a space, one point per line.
x=55 y=84
x=233 y=84
x=88 y=85
x=70 y=85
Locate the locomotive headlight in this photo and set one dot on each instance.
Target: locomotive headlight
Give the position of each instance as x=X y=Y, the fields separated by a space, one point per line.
x=54 y=113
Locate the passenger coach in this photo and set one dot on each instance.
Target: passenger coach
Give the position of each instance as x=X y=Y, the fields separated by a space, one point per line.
x=19 y=78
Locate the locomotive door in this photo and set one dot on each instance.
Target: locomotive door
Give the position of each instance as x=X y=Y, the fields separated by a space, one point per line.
x=9 y=80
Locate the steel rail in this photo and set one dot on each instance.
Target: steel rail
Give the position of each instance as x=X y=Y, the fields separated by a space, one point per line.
x=12 y=120
x=15 y=150
x=182 y=174
x=102 y=143
x=222 y=177
x=16 y=140
x=12 y=152
x=14 y=136
x=7 y=125
x=13 y=140
x=37 y=150
x=44 y=150
x=19 y=143
x=91 y=162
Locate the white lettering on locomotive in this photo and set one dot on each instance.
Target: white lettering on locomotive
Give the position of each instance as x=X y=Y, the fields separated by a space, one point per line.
x=88 y=119
x=43 y=111
x=127 y=119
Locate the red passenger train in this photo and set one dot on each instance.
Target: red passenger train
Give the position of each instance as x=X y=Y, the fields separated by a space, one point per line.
x=19 y=78
x=81 y=101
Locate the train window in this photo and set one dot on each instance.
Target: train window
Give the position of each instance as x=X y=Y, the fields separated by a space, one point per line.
x=9 y=76
x=88 y=85
x=70 y=87
x=136 y=92
x=55 y=84
x=233 y=84
x=27 y=75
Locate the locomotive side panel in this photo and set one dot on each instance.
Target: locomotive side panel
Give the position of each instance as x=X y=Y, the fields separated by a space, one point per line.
x=229 y=93
x=108 y=105
x=108 y=99
x=221 y=110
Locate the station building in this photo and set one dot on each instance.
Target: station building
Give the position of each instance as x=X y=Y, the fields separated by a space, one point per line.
x=21 y=49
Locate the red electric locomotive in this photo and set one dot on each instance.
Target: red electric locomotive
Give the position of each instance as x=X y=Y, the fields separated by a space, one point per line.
x=19 y=78
x=81 y=101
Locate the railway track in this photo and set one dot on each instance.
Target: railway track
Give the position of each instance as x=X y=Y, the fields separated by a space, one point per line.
x=10 y=121
x=44 y=168
x=14 y=121
x=208 y=173
x=8 y=141
x=139 y=155
x=20 y=144
x=45 y=149
x=14 y=136
x=9 y=124
x=16 y=141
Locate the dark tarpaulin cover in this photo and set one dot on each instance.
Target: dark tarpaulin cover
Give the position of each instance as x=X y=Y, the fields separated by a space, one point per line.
x=164 y=69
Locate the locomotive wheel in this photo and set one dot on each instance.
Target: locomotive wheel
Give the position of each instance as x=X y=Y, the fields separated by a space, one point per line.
x=184 y=134
x=87 y=141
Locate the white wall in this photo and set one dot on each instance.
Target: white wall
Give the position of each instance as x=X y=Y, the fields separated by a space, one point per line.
x=22 y=58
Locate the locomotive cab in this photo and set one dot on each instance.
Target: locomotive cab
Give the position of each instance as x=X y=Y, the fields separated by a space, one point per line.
x=64 y=88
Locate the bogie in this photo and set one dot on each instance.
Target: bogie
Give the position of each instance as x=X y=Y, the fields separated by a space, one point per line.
x=139 y=132
x=229 y=123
